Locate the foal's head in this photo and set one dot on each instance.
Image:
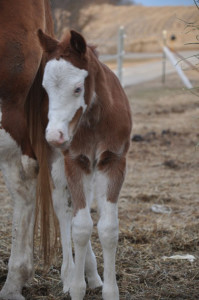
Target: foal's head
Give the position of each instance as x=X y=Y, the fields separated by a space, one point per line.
x=67 y=84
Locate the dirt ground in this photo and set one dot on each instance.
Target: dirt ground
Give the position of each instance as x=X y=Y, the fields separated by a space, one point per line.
x=163 y=169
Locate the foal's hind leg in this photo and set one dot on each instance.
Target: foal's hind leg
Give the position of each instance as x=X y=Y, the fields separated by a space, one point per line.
x=20 y=174
x=92 y=275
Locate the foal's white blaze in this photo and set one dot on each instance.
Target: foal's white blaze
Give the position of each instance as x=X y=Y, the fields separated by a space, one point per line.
x=64 y=84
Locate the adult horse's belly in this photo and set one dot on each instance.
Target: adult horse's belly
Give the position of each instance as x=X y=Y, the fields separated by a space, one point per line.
x=20 y=52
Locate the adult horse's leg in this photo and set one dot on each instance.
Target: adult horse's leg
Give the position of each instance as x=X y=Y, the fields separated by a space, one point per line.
x=20 y=172
x=109 y=179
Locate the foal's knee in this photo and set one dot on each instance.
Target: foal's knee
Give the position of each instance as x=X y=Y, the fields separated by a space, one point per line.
x=108 y=227
x=21 y=271
x=82 y=227
x=108 y=234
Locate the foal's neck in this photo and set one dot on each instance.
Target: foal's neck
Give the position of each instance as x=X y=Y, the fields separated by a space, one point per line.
x=103 y=78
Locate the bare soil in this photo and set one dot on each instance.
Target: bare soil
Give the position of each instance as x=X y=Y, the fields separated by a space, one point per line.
x=163 y=169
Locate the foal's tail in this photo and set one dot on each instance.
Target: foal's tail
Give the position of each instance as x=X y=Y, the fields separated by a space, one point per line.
x=46 y=223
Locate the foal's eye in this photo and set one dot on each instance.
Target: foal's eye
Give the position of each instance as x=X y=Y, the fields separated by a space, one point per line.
x=77 y=91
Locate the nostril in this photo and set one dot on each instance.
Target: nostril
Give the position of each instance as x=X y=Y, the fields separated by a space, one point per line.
x=61 y=137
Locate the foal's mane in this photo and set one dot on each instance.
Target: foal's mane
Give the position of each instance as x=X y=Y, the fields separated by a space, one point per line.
x=93 y=49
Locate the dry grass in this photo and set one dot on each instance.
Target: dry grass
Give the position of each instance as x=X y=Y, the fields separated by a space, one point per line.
x=143 y=25
x=163 y=169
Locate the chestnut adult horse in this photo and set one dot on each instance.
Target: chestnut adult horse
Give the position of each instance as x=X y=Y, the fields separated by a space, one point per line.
x=89 y=126
x=21 y=137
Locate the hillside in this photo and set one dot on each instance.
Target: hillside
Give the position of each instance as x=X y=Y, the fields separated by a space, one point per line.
x=143 y=25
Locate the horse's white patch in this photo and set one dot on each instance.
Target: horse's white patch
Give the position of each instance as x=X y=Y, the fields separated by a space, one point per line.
x=101 y=184
x=81 y=231
x=30 y=166
x=88 y=185
x=19 y=173
x=8 y=146
x=64 y=84
x=92 y=275
x=108 y=234
x=61 y=199
x=58 y=169
x=108 y=225
x=82 y=226
x=0 y=115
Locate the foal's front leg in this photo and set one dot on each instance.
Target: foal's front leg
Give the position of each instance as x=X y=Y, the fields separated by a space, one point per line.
x=81 y=224
x=63 y=210
x=109 y=179
x=81 y=231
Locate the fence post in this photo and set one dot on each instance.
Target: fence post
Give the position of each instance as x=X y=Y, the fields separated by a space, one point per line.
x=174 y=62
x=120 y=52
x=164 y=37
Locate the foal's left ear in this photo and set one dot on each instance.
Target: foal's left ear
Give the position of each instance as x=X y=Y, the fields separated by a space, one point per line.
x=77 y=42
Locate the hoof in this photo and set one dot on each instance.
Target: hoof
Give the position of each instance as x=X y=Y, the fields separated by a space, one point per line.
x=110 y=293
x=94 y=282
x=66 y=288
x=67 y=279
x=78 y=290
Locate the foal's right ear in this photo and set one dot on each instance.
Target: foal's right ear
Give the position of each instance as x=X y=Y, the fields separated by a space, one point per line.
x=47 y=42
x=78 y=42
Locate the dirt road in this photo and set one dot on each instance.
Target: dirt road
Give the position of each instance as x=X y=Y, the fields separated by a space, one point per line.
x=135 y=72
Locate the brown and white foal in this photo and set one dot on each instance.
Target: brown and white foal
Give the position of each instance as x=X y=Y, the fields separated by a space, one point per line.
x=89 y=126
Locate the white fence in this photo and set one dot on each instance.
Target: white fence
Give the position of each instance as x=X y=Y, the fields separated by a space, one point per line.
x=167 y=54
